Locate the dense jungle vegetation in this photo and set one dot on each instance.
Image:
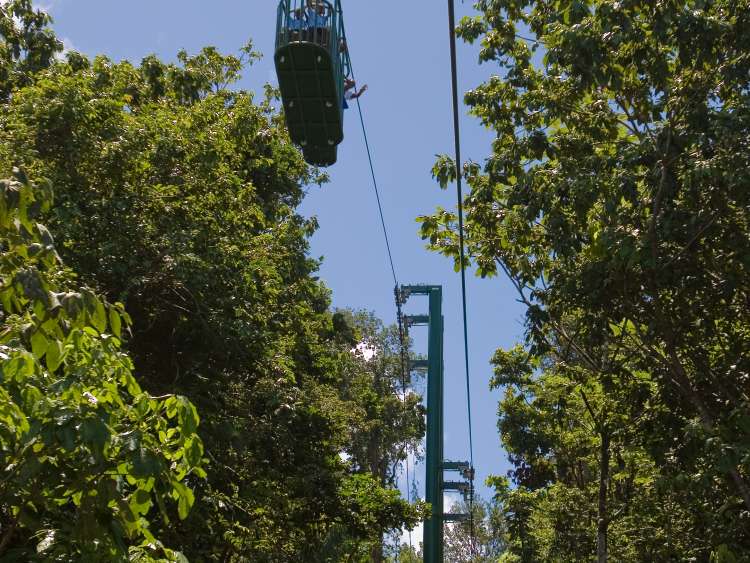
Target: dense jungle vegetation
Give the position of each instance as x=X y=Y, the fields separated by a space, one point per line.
x=175 y=384
x=617 y=200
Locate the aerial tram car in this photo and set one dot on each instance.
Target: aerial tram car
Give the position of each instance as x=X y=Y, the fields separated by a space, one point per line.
x=312 y=64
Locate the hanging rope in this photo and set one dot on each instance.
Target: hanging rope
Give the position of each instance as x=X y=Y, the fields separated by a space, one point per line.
x=375 y=188
x=404 y=364
x=459 y=188
x=399 y=313
x=369 y=155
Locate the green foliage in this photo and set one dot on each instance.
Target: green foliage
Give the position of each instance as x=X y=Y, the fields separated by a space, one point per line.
x=389 y=420
x=89 y=460
x=615 y=199
x=27 y=46
x=406 y=554
x=177 y=197
x=386 y=419
x=488 y=542
x=569 y=440
x=372 y=507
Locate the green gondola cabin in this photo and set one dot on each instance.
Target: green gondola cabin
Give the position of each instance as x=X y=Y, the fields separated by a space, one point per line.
x=312 y=62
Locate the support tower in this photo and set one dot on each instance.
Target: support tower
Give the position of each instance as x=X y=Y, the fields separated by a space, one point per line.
x=436 y=465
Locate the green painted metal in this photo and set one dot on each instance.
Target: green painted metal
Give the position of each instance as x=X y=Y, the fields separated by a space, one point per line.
x=417 y=320
x=436 y=485
x=460 y=466
x=320 y=156
x=433 y=528
x=311 y=65
x=458 y=486
x=409 y=290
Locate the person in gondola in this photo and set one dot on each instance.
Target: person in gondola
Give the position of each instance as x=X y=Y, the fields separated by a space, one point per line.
x=317 y=22
x=296 y=25
x=351 y=92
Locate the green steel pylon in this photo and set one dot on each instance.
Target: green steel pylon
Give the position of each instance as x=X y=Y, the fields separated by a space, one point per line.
x=433 y=527
x=436 y=465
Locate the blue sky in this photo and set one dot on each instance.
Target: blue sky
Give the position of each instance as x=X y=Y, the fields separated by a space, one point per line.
x=400 y=49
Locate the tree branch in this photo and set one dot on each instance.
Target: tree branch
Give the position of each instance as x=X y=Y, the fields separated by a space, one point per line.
x=597 y=424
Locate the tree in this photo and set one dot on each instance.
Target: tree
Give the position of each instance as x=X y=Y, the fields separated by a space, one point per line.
x=389 y=419
x=177 y=196
x=88 y=459
x=585 y=484
x=488 y=542
x=28 y=45
x=406 y=554
x=615 y=200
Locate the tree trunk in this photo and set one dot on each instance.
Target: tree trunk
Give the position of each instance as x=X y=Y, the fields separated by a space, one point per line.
x=603 y=521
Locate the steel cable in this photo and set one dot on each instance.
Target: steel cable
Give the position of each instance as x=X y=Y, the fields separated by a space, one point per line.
x=459 y=189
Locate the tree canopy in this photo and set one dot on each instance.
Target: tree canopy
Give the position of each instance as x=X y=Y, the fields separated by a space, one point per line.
x=175 y=385
x=615 y=199
x=86 y=453
x=176 y=195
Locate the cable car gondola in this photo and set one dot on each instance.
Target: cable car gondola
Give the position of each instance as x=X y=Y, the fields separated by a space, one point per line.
x=312 y=61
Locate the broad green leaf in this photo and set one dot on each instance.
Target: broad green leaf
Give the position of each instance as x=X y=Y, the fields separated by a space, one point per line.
x=95 y=432
x=145 y=464
x=185 y=499
x=18 y=368
x=115 y=323
x=99 y=317
x=54 y=356
x=193 y=450
x=187 y=416
x=140 y=502
x=127 y=517
x=39 y=344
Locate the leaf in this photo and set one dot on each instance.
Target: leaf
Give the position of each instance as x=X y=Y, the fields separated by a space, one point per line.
x=46 y=542
x=96 y=433
x=99 y=318
x=39 y=344
x=145 y=464
x=193 y=450
x=19 y=368
x=115 y=322
x=67 y=437
x=162 y=506
x=127 y=517
x=171 y=405
x=54 y=356
x=723 y=555
x=187 y=416
x=185 y=499
x=140 y=502
x=32 y=397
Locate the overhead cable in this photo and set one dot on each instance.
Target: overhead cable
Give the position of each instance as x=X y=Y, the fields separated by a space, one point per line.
x=462 y=254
